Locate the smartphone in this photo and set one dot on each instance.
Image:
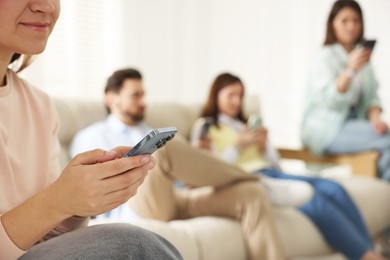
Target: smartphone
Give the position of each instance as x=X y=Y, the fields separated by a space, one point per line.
x=369 y=44
x=208 y=121
x=153 y=141
x=254 y=122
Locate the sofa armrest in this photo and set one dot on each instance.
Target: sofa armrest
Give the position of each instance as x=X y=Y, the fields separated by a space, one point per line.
x=363 y=163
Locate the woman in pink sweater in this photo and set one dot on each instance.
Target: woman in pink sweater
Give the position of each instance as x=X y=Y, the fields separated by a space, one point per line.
x=39 y=206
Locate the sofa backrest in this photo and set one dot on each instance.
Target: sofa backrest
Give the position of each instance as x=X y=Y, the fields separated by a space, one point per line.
x=76 y=114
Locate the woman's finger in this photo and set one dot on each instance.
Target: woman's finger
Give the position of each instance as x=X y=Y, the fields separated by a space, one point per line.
x=118 y=197
x=124 y=180
x=94 y=156
x=121 y=165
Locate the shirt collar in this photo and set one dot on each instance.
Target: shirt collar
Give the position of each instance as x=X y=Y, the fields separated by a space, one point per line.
x=5 y=90
x=341 y=52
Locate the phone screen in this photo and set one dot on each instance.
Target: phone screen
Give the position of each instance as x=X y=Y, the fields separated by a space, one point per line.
x=254 y=122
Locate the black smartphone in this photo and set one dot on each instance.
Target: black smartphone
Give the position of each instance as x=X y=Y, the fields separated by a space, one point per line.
x=208 y=121
x=369 y=44
x=156 y=139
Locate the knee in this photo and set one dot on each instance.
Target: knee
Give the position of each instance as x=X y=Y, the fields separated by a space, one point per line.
x=139 y=243
x=329 y=185
x=251 y=192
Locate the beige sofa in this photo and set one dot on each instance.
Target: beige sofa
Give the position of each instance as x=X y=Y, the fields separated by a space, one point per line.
x=212 y=238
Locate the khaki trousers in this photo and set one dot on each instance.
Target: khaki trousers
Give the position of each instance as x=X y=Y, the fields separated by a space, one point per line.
x=217 y=189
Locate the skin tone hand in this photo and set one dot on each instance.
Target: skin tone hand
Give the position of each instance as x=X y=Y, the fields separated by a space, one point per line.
x=357 y=58
x=256 y=136
x=377 y=123
x=204 y=143
x=92 y=183
x=96 y=187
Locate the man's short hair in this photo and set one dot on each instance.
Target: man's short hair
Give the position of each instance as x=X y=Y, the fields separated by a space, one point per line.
x=115 y=81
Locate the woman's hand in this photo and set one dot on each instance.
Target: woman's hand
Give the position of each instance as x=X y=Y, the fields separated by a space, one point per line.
x=262 y=145
x=204 y=143
x=253 y=137
x=97 y=181
x=357 y=58
x=374 y=115
x=379 y=126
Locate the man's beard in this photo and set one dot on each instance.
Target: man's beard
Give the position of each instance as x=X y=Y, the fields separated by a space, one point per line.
x=136 y=118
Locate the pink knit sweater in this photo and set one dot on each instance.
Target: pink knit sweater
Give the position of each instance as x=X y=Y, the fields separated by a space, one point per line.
x=29 y=151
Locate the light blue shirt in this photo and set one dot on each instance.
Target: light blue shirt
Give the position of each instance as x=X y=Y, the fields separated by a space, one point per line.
x=108 y=134
x=326 y=109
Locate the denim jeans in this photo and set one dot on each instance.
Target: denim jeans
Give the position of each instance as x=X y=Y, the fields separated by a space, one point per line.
x=357 y=136
x=334 y=213
x=107 y=241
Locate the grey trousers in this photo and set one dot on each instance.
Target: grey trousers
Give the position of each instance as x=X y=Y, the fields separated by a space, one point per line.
x=107 y=241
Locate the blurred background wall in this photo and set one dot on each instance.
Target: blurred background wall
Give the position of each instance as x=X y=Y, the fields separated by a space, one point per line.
x=181 y=45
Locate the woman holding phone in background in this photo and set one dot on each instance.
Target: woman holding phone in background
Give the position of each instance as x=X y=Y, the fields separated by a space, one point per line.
x=43 y=215
x=343 y=110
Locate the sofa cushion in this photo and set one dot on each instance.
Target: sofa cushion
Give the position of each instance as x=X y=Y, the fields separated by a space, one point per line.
x=372 y=197
x=197 y=238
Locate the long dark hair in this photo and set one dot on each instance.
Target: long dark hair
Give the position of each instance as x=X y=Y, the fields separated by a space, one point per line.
x=330 y=37
x=210 y=109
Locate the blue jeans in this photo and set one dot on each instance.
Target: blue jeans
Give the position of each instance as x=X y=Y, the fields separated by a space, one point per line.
x=357 y=136
x=334 y=213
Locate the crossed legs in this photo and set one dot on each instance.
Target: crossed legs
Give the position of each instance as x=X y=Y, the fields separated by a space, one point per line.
x=219 y=189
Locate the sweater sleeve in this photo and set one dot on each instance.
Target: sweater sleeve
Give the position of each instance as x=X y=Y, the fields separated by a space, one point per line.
x=370 y=98
x=323 y=79
x=7 y=248
x=67 y=225
x=10 y=251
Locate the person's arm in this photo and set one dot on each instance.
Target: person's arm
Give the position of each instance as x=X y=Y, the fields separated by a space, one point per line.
x=91 y=184
x=199 y=139
x=356 y=60
x=374 y=115
x=328 y=81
